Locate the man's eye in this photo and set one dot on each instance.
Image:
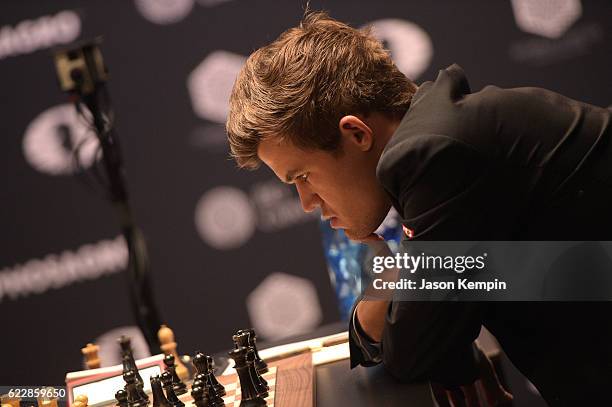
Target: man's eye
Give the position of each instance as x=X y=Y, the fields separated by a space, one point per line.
x=304 y=177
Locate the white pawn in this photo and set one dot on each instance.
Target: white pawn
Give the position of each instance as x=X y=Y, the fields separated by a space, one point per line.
x=83 y=399
x=168 y=346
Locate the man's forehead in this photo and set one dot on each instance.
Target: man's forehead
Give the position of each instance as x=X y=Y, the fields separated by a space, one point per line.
x=284 y=159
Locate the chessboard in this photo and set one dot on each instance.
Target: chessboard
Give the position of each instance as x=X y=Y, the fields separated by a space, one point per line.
x=285 y=380
x=291 y=383
x=232 y=387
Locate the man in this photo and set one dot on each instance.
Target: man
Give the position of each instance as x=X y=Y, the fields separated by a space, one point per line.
x=327 y=110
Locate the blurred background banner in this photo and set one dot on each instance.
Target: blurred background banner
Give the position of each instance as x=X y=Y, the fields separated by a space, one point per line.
x=229 y=249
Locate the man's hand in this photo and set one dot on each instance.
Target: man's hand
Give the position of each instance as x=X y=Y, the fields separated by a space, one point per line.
x=371 y=311
x=371 y=316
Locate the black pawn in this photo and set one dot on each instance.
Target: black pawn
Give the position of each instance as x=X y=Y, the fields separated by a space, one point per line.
x=128 y=355
x=126 y=344
x=121 y=397
x=213 y=399
x=129 y=363
x=166 y=379
x=260 y=382
x=211 y=375
x=205 y=373
x=178 y=386
x=249 y=395
x=134 y=397
x=130 y=366
x=200 y=363
x=199 y=396
x=261 y=366
x=198 y=383
x=159 y=398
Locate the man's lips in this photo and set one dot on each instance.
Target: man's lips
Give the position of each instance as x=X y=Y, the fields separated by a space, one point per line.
x=333 y=222
x=326 y=217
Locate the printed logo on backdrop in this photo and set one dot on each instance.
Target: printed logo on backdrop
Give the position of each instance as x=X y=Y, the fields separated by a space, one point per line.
x=284 y=305
x=410 y=46
x=165 y=12
x=549 y=18
x=226 y=217
x=44 y=32
x=54 y=271
x=210 y=85
x=558 y=36
x=52 y=139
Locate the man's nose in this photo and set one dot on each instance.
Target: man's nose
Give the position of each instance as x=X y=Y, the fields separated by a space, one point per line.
x=310 y=201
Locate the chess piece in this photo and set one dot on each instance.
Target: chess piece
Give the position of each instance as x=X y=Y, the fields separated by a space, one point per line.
x=213 y=399
x=82 y=398
x=127 y=355
x=134 y=395
x=203 y=365
x=6 y=400
x=211 y=376
x=178 y=386
x=200 y=363
x=249 y=395
x=166 y=379
x=199 y=396
x=92 y=361
x=167 y=344
x=47 y=400
x=121 y=397
x=242 y=339
x=159 y=398
x=260 y=382
x=129 y=365
x=198 y=383
x=261 y=366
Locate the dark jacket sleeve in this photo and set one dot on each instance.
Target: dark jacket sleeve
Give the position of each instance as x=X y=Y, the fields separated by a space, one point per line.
x=439 y=185
x=364 y=351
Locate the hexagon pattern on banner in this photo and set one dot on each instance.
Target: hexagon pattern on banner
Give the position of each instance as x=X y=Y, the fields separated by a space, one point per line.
x=547 y=18
x=54 y=136
x=210 y=84
x=410 y=45
x=164 y=11
x=225 y=218
x=284 y=305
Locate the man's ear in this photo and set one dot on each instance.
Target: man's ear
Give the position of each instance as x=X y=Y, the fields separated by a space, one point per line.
x=354 y=130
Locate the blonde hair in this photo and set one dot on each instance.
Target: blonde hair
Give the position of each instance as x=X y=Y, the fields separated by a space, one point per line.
x=298 y=87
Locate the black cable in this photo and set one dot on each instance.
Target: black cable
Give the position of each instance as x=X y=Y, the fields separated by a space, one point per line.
x=141 y=294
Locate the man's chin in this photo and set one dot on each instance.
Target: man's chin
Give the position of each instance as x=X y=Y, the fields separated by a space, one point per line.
x=356 y=235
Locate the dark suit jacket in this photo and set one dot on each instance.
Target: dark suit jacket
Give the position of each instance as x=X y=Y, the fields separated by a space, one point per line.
x=502 y=164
